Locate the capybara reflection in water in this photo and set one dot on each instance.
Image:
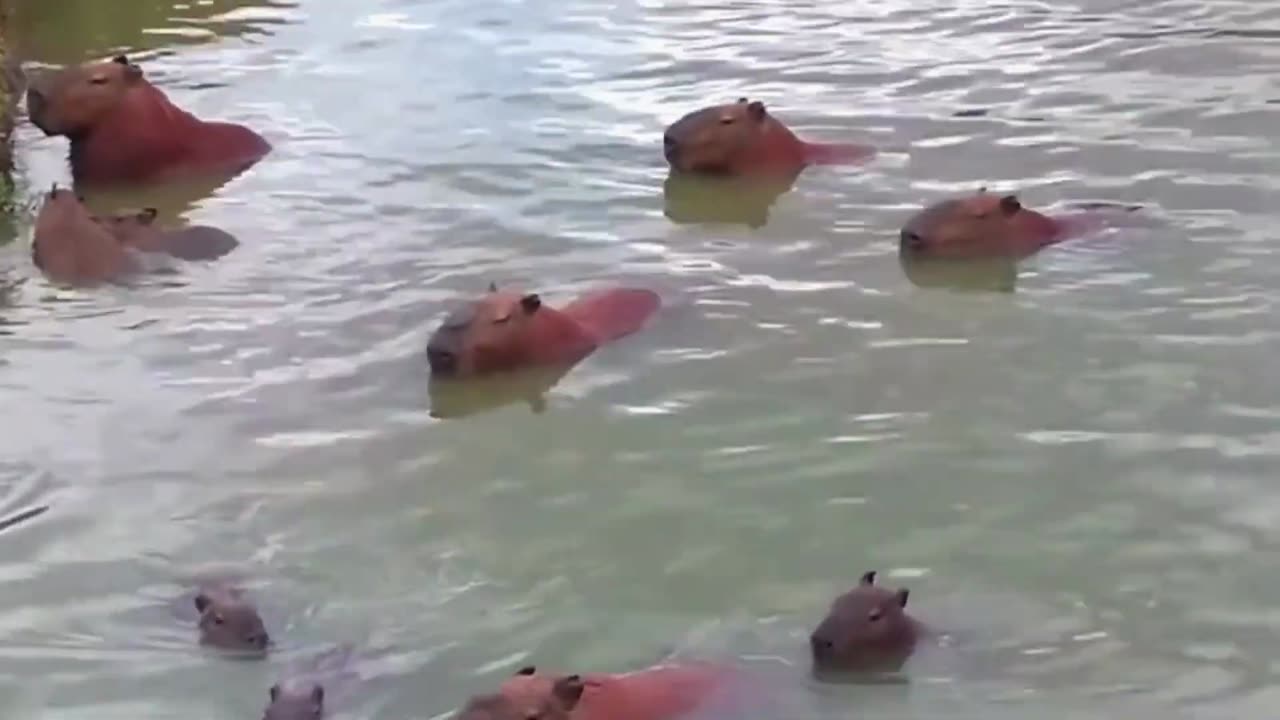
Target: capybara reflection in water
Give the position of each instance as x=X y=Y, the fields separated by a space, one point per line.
x=987 y=225
x=744 y=138
x=505 y=330
x=659 y=693
x=71 y=246
x=866 y=629
x=229 y=620
x=125 y=130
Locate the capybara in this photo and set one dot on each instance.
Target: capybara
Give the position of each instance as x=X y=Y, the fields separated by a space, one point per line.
x=71 y=246
x=125 y=130
x=194 y=242
x=505 y=330
x=986 y=225
x=866 y=629
x=744 y=138
x=229 y=620
x=659 y=693
x=301 y=693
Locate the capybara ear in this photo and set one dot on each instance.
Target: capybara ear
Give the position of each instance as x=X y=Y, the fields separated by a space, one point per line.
x=317 y=695
x=868 y=578
x=901 y=596
x=742 y=100
x=530 y=303
x=274 y=692
x=493 y=286
x=1009 y=204
x=120 y=60
x=756 y=110
x=568 y=690
x=527 y=670
x=148 y=215
x=202 y=602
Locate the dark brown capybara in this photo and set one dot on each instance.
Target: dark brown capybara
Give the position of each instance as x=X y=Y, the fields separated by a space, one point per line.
x=505 y=331
x=745 y=139
x=987 y=225
x=867 y=629
x=659 y=693
x=194 y=242
x=301 y=694
x=124 y=130
x=71 y=246
x=230 y=621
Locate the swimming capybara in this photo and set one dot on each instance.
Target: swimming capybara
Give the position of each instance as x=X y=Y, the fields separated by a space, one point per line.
x=229 y=620
x=744 y=138
x=194 y=242
x=71 y=246
x=301 y=693
x=506 y=330
x=659 y=693
x=125 y=130
x=866 y=629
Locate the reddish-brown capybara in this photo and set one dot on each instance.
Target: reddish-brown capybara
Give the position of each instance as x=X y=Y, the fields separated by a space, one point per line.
x=125 y=130
x=986 y=225
x=659 y=693
x=866 y=629
x=71 y=246
x=744 y=138
x=194 y=242
x=505 y=330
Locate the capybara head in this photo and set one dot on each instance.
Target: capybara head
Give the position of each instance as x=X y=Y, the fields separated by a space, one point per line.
x=72 y=100
x=866 y=628
x=295 y=701
x=486 y=335
x=229 y=621
x=714 y=139
x=976 y=224
x=527 y=696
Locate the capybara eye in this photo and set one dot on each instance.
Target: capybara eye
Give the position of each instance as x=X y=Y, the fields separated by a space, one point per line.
x=875 y=615
x=218 y=619
x=98 y=79
x=726 y=121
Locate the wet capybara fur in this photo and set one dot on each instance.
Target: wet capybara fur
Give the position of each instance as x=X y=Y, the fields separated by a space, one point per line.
x=230 y=621
x=745 y=139
x=866 y=629
x=125 y=130
x=981 y=225
x=504 y=331
x=658 y=693
x=295 y=700
x=70 y=246
x=194 y=242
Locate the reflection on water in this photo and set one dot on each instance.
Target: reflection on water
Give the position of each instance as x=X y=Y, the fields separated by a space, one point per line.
x=1075 y=477
x=745 y=201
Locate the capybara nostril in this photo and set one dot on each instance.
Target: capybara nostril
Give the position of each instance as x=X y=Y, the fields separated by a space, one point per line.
x=820 y=645
x=912 y=240
x=442 y=361
x=259 y=640
x=670 y=148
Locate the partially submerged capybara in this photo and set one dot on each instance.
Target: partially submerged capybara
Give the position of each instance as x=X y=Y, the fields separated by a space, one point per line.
x=986 y=225
x=229 y=620
x=866 y=629
x=301 y=693
x=194 y=242
x=123 y=129
x=665 y=692
x=744 y=138
x=71 y=246
x=505 y=330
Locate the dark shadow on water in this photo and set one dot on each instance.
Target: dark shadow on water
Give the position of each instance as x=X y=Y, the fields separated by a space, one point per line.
x=69 y=31
x=692 y=199
x=454 y=399
x=981 y=275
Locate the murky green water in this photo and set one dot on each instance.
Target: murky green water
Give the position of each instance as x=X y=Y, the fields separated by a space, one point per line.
x=1078 y=478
